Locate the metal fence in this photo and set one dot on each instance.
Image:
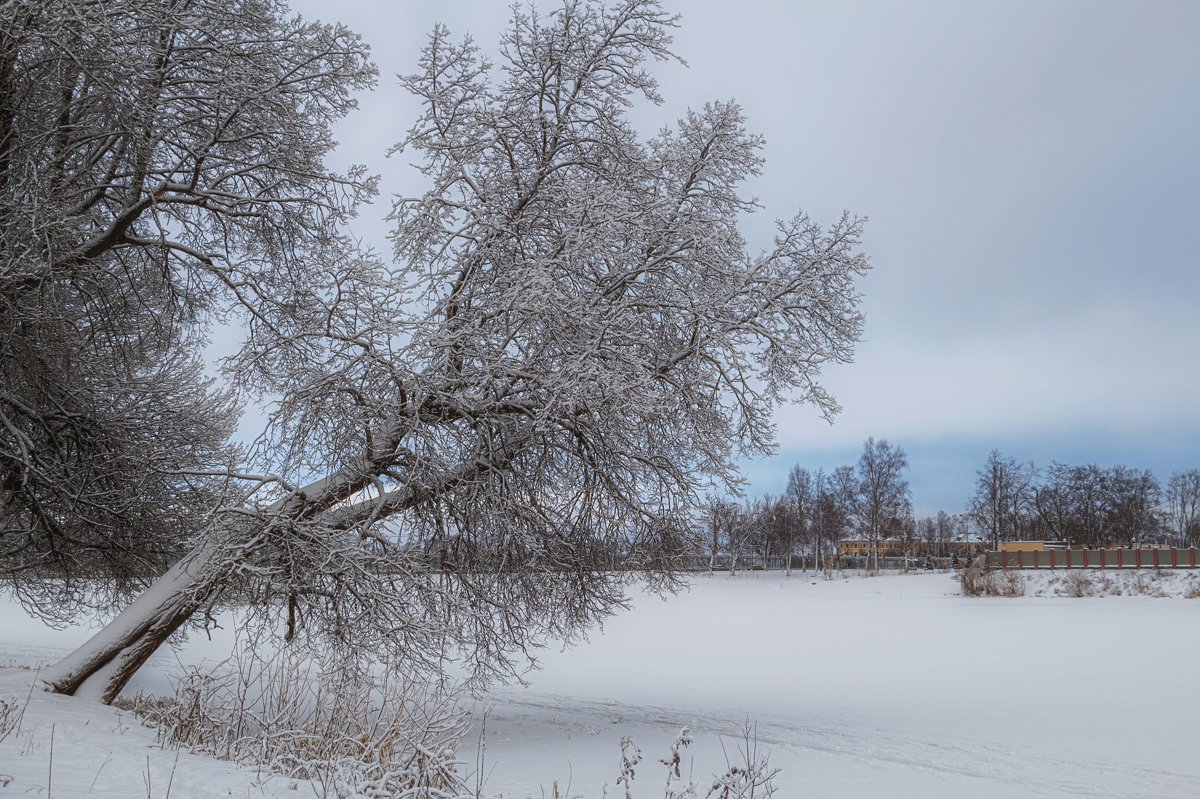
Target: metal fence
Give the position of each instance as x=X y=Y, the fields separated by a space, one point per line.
x=1156 y=558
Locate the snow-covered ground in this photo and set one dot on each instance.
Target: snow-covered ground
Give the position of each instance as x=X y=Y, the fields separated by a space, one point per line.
x=890 y=686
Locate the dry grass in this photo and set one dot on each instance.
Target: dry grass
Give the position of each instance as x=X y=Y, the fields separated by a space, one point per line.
x=748 y=774
x=350 y=731
x=368 y=735
x=12 y=713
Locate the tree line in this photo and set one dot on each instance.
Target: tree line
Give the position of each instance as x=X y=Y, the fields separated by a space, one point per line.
x=870 y=499
x=1085 y=505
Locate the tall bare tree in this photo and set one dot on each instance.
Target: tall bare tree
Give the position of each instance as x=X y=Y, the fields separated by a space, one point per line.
x=841 y=516
x=1135 y=497
x=883 y=495
x=480 y=446
x=1183 y=504
x=800 y=494
x=944 y=530
x=1075 y=504
x=718 y=516
x=1003 y=495
x=820 y=529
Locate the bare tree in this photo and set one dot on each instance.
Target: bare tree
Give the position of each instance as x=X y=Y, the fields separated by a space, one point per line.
x=1003 y=495
x=1134 y=497
x=906 y=533
x=743 y=525
x=842 y=510
x=883 y=494
x=1183 y=504
x=482 y=446
x=791 y=532
x=1095 y=507
x=1076 y=505
x=945 y=529
x=819 y=530
x=800 y=493
x=718 y=517
x=927 y=535
x=763 y=521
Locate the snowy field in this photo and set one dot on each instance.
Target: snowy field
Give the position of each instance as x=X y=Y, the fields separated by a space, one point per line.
x=890 y=686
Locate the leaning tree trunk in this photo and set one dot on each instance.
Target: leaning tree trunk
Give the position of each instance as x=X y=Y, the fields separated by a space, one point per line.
x=101 y=667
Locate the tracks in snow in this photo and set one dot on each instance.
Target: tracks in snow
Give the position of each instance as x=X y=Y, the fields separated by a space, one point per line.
x=851 y=746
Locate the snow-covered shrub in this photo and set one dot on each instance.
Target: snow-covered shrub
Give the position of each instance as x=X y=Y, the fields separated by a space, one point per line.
x=1011 y=583
x=354 y=733
x=977 y=579
x=1140 y=584
x=1150 y=583
x=1077 y=584
x=750 y=777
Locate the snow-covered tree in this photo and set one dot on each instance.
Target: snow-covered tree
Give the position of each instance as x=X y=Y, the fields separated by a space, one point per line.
x=160 y=165
x=481 y=445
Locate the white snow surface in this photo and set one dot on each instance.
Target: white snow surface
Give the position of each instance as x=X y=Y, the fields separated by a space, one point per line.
x=888 y=686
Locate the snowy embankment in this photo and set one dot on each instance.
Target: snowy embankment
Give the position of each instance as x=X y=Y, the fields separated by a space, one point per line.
x=884 y=686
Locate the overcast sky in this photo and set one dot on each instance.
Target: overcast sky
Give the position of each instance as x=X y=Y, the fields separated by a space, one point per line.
x=1031 y=171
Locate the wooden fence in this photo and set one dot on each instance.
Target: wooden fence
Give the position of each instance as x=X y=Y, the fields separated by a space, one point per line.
x=1156 y=558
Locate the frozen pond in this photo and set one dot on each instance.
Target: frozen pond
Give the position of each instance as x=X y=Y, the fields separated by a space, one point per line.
x=889 y=686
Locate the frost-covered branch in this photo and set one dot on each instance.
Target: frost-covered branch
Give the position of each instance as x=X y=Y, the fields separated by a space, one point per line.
x=477 y=445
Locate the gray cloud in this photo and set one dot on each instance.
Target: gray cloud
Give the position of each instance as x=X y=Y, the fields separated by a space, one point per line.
x=1031 y=173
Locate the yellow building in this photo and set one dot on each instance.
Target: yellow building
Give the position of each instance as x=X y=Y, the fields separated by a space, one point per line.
x=1028 y=546
x=1022 y=546
x=891 y=547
